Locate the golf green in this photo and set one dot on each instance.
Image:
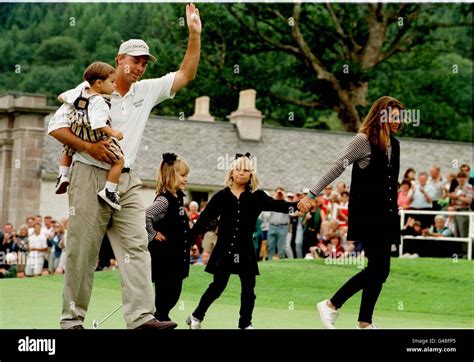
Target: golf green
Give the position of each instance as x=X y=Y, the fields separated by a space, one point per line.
x=420 y=293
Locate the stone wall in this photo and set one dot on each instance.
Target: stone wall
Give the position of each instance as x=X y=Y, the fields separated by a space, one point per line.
x=21 y=143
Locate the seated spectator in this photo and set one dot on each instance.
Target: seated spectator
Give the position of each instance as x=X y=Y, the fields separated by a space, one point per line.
x=333 y=249
x=37 y=247
x=348 y=245
x=412 y=227
x=321 y=242
x=195 y=256
x=334 y=226
x=9 y=269
x=438 y=229
x=405 y=193
x=325 y=231
x=450 y=222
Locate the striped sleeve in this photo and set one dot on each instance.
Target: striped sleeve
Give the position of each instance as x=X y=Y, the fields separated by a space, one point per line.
x=358 y=150
x=155 y=212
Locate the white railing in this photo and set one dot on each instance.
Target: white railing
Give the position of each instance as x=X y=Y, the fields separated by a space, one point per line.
x=467 y=239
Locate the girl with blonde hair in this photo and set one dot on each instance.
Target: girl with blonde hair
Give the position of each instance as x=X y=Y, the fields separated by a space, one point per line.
x=167 y=225
x=237 y=206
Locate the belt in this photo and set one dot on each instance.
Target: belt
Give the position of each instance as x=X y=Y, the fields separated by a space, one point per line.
x=280 y=224
x=126 y=170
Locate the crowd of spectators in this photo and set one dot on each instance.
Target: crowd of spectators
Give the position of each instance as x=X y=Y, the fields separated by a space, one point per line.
x=38 y=247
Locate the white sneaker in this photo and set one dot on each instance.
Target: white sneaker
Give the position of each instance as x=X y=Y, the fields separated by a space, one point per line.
x=112 y=198
x=370 y=326
x=193 y=322
x=328 y=315
x=62 y=182
x=249 y=327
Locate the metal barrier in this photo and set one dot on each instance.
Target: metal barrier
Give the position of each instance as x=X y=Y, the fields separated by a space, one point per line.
x=468 y=239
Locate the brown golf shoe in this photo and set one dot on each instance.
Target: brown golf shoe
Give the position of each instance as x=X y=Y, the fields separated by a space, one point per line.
x=156 y=324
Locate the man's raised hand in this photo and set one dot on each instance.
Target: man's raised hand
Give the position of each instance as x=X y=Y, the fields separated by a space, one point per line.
x=193 y=20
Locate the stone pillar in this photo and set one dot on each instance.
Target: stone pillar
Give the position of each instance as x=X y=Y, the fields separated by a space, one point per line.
x=247 y=117
x=21 y=143
x=201 y=111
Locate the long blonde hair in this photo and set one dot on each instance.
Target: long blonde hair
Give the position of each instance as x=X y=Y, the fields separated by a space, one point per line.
x=376 y=130
x=245 y=163
x=166 y=178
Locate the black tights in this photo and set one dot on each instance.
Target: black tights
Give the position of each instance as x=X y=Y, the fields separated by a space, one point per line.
x=166 y=296
x=215 y=289
x=369 y=280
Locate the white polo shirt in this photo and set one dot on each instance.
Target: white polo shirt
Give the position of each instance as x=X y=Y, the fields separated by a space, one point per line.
x=37 y=242
x=129 y=115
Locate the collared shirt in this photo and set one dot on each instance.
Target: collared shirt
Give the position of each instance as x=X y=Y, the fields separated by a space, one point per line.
x=419 y=200
x=37 y=242
x=438 y=186
x=465 y=191
x=129 y=115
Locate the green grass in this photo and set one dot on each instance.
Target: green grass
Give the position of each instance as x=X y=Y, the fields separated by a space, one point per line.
x=420 y=293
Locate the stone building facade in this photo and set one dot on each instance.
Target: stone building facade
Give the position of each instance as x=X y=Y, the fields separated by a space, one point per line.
x=289 y=157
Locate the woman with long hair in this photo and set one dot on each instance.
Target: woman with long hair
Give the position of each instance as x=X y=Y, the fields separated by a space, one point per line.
x=373 y=212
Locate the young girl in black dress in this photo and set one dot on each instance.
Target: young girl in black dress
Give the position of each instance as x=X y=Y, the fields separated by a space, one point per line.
x=237 y=206
x=169 y=239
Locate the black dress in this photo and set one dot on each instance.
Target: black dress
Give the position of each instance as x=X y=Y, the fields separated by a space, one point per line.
x=234 y=252
x=170 y=258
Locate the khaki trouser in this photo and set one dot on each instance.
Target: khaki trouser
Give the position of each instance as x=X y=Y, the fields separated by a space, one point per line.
x=90 y=218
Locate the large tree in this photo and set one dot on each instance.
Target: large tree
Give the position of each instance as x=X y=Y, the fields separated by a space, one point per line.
x=337 y=47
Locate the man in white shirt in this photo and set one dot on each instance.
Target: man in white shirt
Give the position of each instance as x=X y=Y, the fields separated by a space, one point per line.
x=422 y=199
x=438 y=183
x=91 y=218
x=37 y=247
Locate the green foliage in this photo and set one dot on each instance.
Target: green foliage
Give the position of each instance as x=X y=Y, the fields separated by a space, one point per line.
x=46 y=47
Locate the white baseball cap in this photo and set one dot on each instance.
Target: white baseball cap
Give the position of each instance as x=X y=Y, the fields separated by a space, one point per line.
x=135 y=48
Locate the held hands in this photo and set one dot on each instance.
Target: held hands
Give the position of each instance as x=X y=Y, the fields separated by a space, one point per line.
x=193 y=20
x=160 y=237
x=306 y=204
